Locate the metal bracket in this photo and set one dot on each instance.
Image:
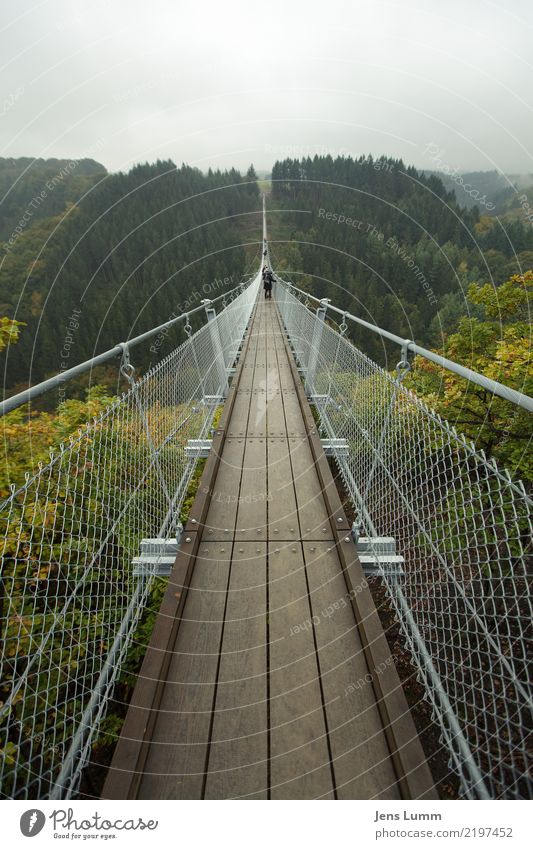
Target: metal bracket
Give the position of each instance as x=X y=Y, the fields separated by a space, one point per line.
x=378 y=555
x=126 y=368
x=213 y=400
x=157 y=556
x=196 y=449
x=404 y=366
x=318 y=399
x=335 y=447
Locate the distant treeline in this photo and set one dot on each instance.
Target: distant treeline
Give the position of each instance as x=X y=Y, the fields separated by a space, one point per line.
x=389 y=243
x=86 y=274
x=33 y=189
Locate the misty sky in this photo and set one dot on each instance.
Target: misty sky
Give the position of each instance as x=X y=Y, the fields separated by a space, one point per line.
x=229 y=83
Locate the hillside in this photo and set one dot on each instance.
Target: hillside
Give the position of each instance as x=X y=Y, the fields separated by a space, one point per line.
x=139 y=248
x=33 y=189
x=388 y=243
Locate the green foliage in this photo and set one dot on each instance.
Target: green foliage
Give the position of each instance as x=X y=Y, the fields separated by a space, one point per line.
x=33 y=189
x=70 y=536
x=136 y=250
x=30 y=438
x=497 y=345
x=9 y=331
x=396 y=247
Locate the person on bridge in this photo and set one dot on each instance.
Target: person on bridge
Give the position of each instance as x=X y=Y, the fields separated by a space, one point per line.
x=268 y=278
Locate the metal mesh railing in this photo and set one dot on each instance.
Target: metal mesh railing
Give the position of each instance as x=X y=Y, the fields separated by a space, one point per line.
x=70 y=596
x=462 y=527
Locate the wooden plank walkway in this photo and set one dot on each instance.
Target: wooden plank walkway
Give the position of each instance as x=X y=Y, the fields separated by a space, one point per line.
x=268 y=675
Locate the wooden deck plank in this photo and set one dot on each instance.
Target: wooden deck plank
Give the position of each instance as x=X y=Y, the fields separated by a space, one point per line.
x=275 y=413
x=241 y=410
x=176 y=761
x=283 y=523
x=314 y=519
x=300 y=764
x=257 y=419
x=222 y=513
x=292 y=412
x=238 y=755
x=252 y=507
x=361 y=756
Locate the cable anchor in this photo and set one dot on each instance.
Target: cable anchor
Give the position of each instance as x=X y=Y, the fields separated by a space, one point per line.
x=404 y=366
x=126 y=368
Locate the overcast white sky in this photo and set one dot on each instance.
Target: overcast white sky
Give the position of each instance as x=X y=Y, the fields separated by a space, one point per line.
x=228 y=83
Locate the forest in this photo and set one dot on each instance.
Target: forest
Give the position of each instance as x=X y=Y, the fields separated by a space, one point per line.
x=394 y=247
x=407 y=258
x=115 y=254
x=107 y=256
x=122 y=253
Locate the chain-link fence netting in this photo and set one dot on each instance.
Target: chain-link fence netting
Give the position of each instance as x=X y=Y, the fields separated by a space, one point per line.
x=463 y=529
x=70 y=597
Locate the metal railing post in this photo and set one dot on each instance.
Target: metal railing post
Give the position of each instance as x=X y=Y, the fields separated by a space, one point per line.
x=218 y=350
x=315 y=346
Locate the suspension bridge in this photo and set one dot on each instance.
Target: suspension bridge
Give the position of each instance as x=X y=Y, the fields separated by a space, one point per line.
x=267 y=674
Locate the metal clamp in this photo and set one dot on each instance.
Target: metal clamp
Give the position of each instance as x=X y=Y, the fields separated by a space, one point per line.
x=187 y=326
x=404 y=366
x=127 y=370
